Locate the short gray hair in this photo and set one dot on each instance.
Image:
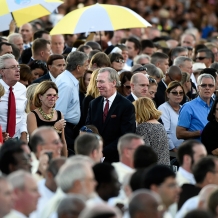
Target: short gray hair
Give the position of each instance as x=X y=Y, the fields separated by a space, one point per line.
x=180 y=60
x=139 y=57
x=205 y=75
x=69 y=173
x=5 y=57
x=74 y=59
x=152 y=70
x=175 y=51
x=13 y=36
x=113 y=75
x=70 y=204
x=18 y=178
x=126 y=140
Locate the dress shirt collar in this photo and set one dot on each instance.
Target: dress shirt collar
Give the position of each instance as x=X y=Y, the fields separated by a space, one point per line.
x=164 y=82
x=111 y=99
x=187 y=175
x=6 y=86
x=125 y=166
x=19 y=214
x=134 y=96
x=52 y=78
x=203 y=103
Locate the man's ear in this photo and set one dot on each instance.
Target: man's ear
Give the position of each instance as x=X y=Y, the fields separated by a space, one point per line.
x=154 y=188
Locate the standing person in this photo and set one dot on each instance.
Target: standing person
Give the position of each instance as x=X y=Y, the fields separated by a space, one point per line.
x=26 y=31
x=13 y=102
x=152 y=132
x=170 y=112
x=68 y=87
x=152 y=89
x=125 y=88
x=111 y=113
x=44 y=100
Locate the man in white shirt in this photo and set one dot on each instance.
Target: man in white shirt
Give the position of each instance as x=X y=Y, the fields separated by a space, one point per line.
x=47 y=187
x=127 y=145
x=189 y=153
x=10 y=75
x=27 y=195
x=26 y=31
x=139 y=86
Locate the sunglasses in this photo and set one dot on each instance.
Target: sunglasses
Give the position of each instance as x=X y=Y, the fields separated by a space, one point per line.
x=49 y=96
x=128 y=87
x=207 y=85
x=200 y=58
x=86 y=129
x=120 y=61
x=140 y=69
x=189 y=48
x=177 y=93
x=152 y=80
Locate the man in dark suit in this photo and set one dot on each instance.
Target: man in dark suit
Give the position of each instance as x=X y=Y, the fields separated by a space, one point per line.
x=111 y=113
x=173 y=74
x=56 y=65
x=139 y=86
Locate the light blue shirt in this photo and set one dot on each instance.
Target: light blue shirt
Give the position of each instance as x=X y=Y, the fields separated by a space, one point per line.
x=68 y=92
x=170 y=119
x=193 y=115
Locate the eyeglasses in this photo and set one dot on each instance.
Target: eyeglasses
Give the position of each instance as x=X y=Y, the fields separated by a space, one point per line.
x=86 y=129
x=128 y=87
x=200 y=58
x=14 y=67
x=177 y=93
x=120 y=61
x=49 y=96
x=140 y=69
x=189 y=48
x=207 y=85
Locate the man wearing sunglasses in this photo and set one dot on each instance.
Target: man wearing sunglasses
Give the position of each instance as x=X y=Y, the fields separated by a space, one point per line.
x=193 y=115
x=205 y=56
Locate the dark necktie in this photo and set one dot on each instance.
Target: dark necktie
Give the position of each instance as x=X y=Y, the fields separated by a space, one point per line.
x=106 y=108
x=11 y=122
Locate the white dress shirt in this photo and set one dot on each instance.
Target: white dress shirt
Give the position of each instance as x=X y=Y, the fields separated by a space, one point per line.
x=52 y=78
x=19 y=91
x=15 y=214
x=184 y=177
x=111 y=99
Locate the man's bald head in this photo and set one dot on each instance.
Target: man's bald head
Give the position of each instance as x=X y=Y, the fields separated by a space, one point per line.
x=145 y=202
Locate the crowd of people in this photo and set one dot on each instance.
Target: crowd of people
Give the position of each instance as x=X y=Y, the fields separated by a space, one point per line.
x=120 y=124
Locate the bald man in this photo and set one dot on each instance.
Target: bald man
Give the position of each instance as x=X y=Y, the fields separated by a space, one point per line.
x=26 y=31
x=57 y=44
x=139 y=86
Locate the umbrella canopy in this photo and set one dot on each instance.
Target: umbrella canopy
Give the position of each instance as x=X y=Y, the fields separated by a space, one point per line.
x=24 y=11
x=99 y=17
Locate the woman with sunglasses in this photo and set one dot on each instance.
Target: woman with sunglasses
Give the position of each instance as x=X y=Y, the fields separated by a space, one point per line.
x=44 y=99
x=117 y=61
x=125 y=88
x=152 y=132
x=170 y=112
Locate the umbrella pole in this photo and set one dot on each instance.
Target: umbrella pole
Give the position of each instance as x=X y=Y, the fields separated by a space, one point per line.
x=100 y=39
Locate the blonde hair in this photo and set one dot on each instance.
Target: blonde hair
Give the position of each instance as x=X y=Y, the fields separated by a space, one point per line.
x=92 y=87
x=2 y=90
x=185 y=77
x=145 y=110
x=29 y=95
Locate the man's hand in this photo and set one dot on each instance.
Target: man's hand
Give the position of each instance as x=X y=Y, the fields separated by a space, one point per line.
x=23 y=136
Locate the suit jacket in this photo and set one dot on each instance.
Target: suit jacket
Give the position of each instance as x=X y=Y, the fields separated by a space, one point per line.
x=42 y=78
x=130 y=97
x=119 y=121
x=160 y=95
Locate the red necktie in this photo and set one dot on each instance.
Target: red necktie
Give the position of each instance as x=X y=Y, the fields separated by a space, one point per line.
x=106 y=108
x=11 y=122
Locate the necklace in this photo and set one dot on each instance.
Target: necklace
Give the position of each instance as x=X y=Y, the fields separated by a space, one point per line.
x=46 y=116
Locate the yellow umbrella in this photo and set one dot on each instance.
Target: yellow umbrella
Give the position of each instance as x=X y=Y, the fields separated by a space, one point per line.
x=24 y=11
x=99 y=17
